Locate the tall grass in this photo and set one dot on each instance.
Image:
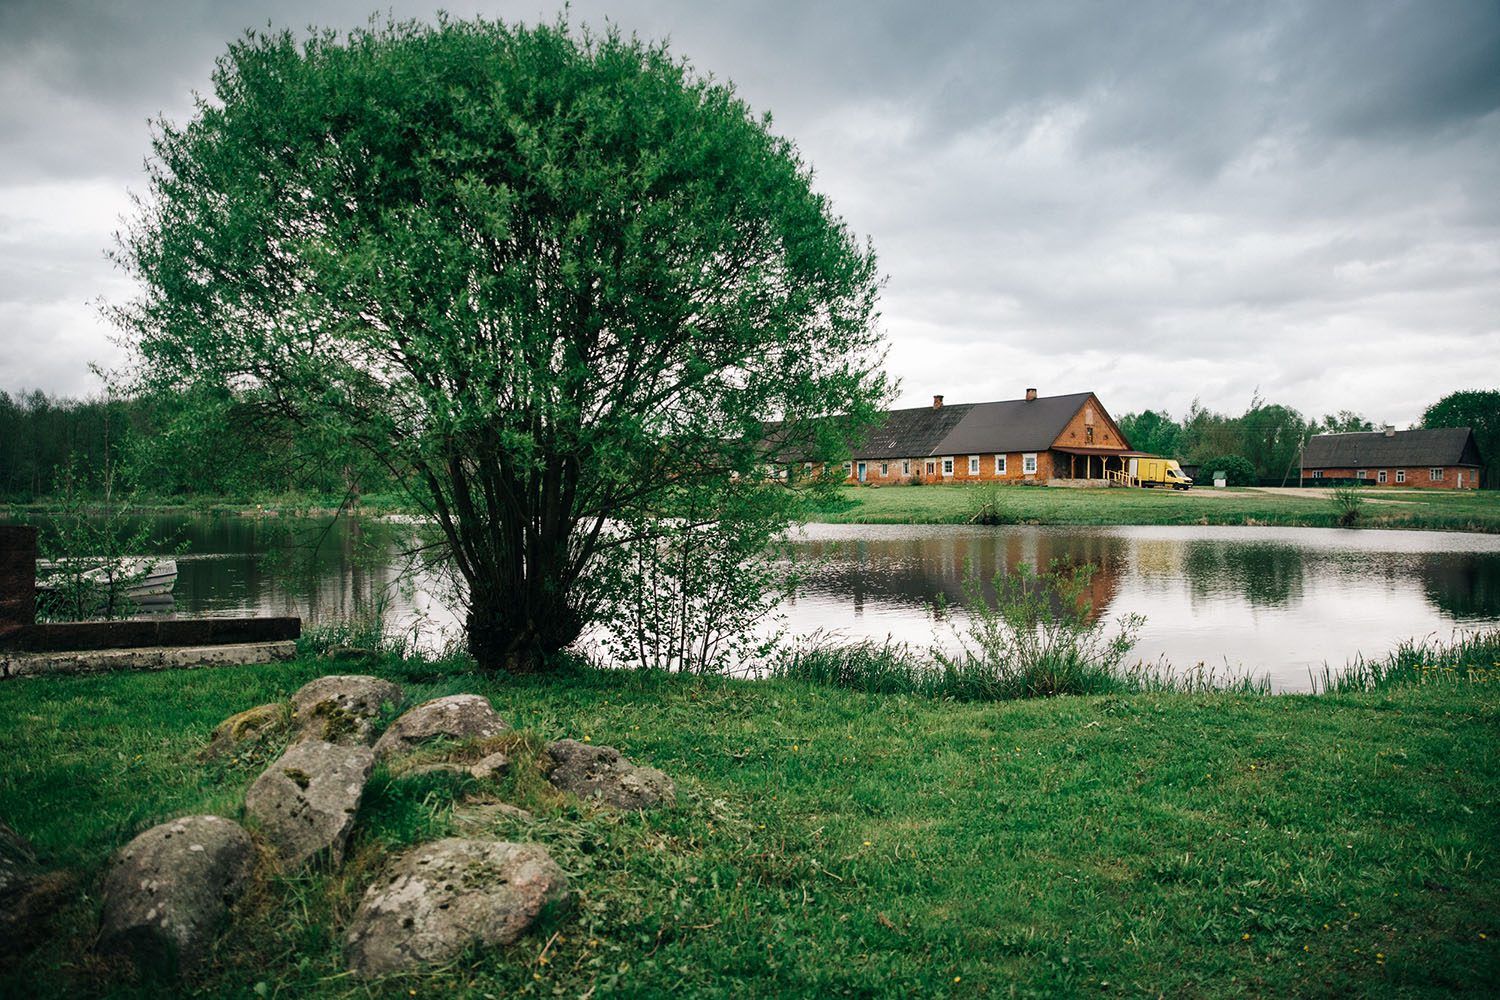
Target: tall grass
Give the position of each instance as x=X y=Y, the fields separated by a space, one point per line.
x=1470 y=658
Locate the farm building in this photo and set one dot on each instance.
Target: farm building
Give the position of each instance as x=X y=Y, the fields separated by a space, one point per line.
x=1443 y=458
x=1034 y=439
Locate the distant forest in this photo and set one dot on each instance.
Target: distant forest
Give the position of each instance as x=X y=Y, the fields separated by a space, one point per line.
x=236 y=448
x=170 y=448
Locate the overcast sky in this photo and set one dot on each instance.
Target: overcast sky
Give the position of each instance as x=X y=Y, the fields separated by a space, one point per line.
x=1154 y=201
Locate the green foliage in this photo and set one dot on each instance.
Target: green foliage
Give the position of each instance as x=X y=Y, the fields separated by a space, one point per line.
x=1149 y=431
x=1271 y=437
x=1237 y=471
x=702 y=581
x=546 y=280
x=1348 y=503
x=91 y=549
x=1038 y=638
x=1478 y=410
x=1343 y=422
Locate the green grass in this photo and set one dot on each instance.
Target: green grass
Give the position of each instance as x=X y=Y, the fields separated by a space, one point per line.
x=940 y=504
x=833 y=843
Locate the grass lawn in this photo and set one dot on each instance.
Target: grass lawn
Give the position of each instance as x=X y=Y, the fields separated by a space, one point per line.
x=830 y=843
x=1468 y=510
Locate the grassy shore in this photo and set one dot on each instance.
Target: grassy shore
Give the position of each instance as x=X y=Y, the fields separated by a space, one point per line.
x=830 y=842
x=1425 y=509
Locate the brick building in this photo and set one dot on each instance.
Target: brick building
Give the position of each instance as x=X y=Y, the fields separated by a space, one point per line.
x=1440 y=458
x=1032 y=439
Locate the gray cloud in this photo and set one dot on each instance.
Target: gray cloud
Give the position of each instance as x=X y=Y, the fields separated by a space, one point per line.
x=1158 y=200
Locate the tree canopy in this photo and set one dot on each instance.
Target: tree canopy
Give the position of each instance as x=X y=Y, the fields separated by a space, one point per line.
x=549 y=279
x=1478 y=410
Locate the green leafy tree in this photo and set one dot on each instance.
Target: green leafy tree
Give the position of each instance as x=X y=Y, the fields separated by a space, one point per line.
x=1271 y=437
x=1152 y=432
x=547 y=279
x=1342 y=422
x=1478 y=410
x=1237 y=471
x=1206 y=435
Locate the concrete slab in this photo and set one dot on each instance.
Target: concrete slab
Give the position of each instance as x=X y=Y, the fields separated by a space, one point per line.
x=95 y=661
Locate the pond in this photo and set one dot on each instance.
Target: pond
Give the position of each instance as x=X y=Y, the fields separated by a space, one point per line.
x=1278 y=603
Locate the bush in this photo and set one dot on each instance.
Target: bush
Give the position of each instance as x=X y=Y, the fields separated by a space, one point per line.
x=1237 y=471
x=1348 y=504
x=1039 y=638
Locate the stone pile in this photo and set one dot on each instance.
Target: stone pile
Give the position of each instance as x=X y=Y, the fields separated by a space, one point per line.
x=168 y=891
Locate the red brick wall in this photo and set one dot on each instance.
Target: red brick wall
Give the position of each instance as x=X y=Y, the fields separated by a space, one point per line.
x=1454 y=478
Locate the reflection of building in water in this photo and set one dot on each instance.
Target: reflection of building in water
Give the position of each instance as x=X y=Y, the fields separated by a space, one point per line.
x=915 y=571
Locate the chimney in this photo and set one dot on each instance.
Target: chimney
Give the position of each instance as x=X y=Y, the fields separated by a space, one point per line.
x=937 y=402
x=1390 y=430
x=1031 y=394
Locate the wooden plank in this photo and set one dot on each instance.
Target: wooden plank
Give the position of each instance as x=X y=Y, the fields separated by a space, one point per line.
x=145 y=633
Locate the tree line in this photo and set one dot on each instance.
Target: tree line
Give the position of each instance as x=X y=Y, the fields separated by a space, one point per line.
x=1264 y=444
x=238 y=448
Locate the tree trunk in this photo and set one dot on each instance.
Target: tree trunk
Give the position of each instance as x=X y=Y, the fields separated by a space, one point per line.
x=519 y=640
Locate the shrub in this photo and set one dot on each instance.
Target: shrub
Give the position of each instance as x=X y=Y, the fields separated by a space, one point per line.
x=1348 y=503
x=1237 y=471
x=1039 y=638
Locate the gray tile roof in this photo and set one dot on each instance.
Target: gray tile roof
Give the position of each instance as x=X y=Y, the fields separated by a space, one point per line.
x=1012 y=425
x=1438 y=446
x=912 y=433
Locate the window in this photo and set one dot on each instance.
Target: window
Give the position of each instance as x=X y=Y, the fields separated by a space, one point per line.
x=906 y=467
x=1360 y=474
x=1028 y=463
x=1088 y=434
x=973 y=465
x=1400 y=475
x=847 y=469
x=931 y=467
x=947 y=466
x=1380 y=476
x=1316 y=474
x=884 y=469
x=999 y=465
x=1436 y=475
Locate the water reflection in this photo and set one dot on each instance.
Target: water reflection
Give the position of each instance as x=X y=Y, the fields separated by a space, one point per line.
x=1274 y=601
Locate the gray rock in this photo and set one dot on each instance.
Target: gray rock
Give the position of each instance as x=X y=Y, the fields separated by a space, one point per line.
x=438 y=898
x=247 y=728
x=496 y=765
x=166 y=891
x=305 y=803
x=459 y=717
x=341 y=708
x=601 y=773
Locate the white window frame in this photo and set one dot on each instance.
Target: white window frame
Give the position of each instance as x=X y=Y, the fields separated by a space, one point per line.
x=947 y=465
x=1028 y=463
x=932 y=466
x=1435 y=474
x=1380 y=476
x=973 y=465
x=999 y=465
x=1400 y=475
x=1361 y=474
x=1316 y=474
x=848 y=469
x=884 y=469
x=906 y=466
